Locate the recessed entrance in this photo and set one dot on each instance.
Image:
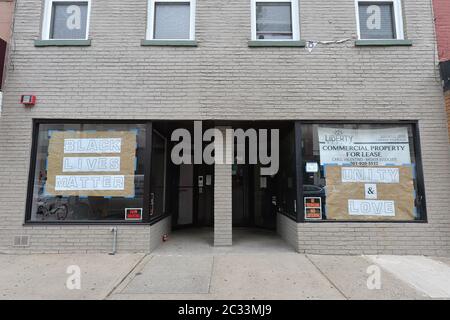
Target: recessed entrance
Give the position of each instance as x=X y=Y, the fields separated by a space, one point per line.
x=252 y=198
x=194 y=187
x=251 y=201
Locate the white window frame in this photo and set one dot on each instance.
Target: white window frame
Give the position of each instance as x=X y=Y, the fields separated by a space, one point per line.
x=46 y=23
x=294 y=16
x=151 y=18
x=398 y=16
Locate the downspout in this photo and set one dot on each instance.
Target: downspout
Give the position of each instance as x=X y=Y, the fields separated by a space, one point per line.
x=114 y=244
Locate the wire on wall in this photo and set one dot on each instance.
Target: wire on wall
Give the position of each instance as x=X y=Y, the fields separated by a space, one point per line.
x=311 y=44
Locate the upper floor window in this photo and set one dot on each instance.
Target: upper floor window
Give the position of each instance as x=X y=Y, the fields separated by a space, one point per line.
x=275 y=20
x=171 y=20
x=379 y=19
x=66 y=19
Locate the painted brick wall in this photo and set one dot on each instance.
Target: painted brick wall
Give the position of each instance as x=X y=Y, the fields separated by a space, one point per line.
x=74 y=239
x=6 y=12
x=442 y=21
x=223 y=217
x=287 y=230
x=223 y=78
x=447 y=108
x=157 y=231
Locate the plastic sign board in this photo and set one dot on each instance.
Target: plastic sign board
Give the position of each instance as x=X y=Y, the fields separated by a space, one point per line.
x=312 y=167
x=313 y=208
x=364 y=147
x=133 y=214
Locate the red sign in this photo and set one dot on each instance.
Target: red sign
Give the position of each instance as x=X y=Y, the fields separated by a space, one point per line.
x=133 y=214
x=313 y=208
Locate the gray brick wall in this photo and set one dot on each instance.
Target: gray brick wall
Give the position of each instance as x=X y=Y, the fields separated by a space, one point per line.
x=223 y=217
x=223 y=78
x=157 y=231
x=75 y=239
x=287 y=229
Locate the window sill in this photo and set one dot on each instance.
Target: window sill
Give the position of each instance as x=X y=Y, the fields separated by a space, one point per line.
x=366 y=221
x=174 y=43
x=84 y=223
x=280 y=43
x=383 y=43
x=62 y=43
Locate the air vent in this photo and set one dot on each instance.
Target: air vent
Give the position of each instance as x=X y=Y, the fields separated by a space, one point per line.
x=21 y=241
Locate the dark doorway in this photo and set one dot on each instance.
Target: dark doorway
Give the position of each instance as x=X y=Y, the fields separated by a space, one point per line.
x=240 y=187
x=190 y=186
x=194 y=189
x=253 y=198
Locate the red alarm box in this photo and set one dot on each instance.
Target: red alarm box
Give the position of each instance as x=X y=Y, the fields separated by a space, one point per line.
x=28 y=100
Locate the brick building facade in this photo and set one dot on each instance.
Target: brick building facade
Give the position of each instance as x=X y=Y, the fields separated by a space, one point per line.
x=442 y=23
x=6 y=13
x=228 y=71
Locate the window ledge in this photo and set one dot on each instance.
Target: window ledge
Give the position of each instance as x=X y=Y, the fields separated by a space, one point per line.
x=280 y=43
x=62 y=43
x=176 y=43
x=384 y=43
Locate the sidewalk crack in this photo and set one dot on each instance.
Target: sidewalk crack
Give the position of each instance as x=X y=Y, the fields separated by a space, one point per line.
x=211 y=275
x=119 y=283
x=327 y=278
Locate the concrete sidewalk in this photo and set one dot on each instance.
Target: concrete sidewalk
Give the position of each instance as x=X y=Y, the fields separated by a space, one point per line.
x=222 y=276
x=258 y=266
x=44 y=276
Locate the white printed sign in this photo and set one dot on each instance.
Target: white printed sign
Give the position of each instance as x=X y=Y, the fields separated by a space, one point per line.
x=87 y=183
x=95 y=145
x=370 y=175
x=312 y=167
x=371 y=191
x=364 y=147
x=97 y=163
x=91 y=164
x=382 y=208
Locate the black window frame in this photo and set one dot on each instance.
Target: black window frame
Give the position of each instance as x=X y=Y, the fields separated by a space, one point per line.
x=419 y=167
x=146 y=220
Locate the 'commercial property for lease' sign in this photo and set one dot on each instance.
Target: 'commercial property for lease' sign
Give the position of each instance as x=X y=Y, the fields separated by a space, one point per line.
x=91 y=164
x=364 y=147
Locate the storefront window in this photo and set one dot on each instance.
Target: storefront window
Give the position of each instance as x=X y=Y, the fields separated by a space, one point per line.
x=285 y=179
x=89 y=172
x=360 y=172
x=158 y=175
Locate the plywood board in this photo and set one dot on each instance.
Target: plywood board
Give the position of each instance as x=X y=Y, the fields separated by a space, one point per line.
x=115 y=147
x=339 y=193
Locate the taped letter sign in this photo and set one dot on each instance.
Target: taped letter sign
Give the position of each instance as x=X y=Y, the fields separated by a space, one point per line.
x=94 y=164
